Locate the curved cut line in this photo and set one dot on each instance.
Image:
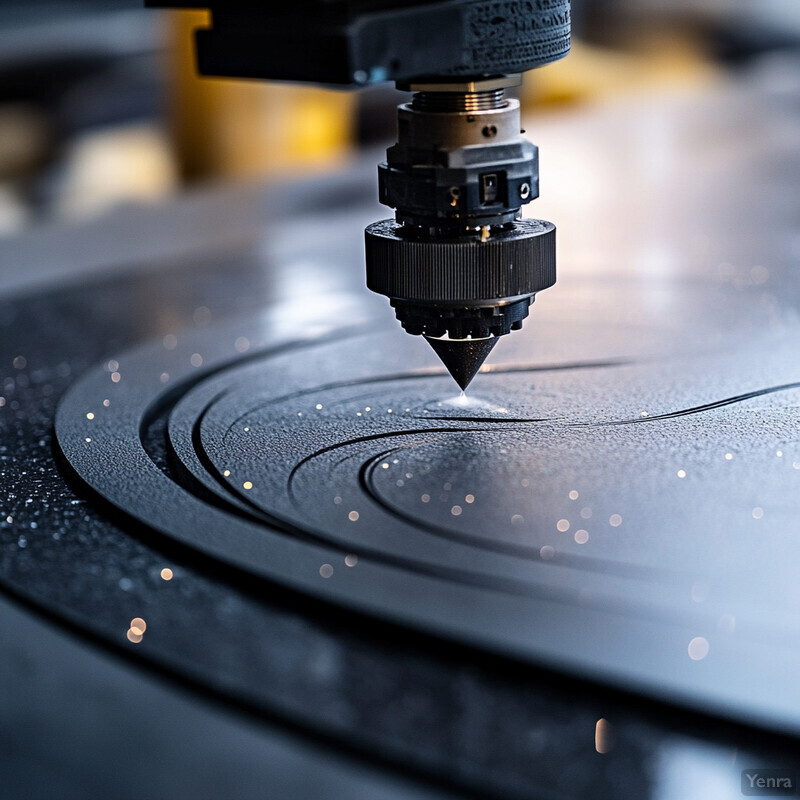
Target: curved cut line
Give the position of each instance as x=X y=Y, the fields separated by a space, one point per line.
x=341 y=460
x=246 y=508
x=433 y=372
x=728 y=401
x=501 y=420
x=504 y=585
x=170 y=397
x=569 y=560
x=567 y=365
x=323 y=538
x=371 y=438
x=250 y=509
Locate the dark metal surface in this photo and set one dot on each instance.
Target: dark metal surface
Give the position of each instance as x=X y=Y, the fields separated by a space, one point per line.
x=668 y=345
x=542 y=500
x=78 y=724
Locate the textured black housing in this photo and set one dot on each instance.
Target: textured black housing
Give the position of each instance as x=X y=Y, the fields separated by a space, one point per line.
x=515 y=262
x=357 y=42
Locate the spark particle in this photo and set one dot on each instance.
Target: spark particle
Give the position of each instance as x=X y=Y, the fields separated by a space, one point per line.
x=698 y=648
x=604 y=737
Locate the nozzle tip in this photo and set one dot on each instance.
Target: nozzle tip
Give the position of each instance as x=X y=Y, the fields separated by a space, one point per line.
x=462 y=357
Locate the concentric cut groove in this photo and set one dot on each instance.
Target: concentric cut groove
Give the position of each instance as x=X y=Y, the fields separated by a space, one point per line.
x=370 y=494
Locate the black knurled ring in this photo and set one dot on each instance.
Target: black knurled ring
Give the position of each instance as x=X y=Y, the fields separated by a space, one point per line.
x=517 y=261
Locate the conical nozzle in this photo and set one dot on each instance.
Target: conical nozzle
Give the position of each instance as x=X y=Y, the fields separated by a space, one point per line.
x=462 y=357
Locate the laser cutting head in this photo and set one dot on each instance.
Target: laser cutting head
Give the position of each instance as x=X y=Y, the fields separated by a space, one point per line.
x=458 y=263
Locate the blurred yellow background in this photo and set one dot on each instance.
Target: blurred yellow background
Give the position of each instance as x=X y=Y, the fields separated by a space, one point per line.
x=101 y=103
x=243 y=129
